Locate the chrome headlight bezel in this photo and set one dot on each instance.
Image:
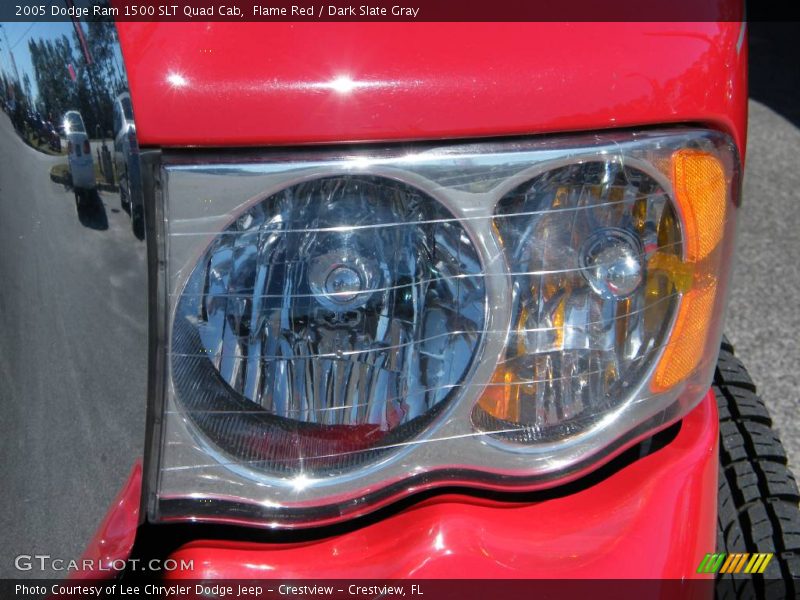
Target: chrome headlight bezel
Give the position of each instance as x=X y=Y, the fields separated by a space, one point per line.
x=198 y=195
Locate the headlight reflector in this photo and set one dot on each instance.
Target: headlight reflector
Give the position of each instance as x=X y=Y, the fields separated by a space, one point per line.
x=329 y=321
x=589 y=316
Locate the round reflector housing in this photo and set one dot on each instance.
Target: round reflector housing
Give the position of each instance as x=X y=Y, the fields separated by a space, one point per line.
x=328 y=323
x=592 y=305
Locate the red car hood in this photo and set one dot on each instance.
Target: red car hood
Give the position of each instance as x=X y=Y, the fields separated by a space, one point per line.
x=226 y=84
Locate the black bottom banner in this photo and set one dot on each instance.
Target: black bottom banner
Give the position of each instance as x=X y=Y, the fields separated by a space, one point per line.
x=424 y=589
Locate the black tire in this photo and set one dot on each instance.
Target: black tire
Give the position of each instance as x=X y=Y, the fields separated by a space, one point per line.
x=758 y=495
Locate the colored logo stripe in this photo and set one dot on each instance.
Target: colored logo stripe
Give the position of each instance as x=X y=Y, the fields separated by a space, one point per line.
x=734 y=563
x=758 y=563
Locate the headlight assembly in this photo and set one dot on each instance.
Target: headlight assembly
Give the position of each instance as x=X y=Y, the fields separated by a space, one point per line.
x=340 y=330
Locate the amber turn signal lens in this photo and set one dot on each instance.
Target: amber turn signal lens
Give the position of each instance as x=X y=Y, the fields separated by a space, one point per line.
x=685 y=350
x=700 y=192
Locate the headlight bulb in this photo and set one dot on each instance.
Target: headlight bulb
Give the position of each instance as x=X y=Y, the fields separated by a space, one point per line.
x=343 y=279
x=343 y=284
x=612 y=263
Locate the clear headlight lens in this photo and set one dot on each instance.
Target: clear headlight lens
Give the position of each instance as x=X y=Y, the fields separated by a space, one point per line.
x=335 y=332
x=591 y=307
x=327 y=322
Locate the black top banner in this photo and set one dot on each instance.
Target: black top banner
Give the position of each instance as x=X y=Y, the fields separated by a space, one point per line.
x=397 y=10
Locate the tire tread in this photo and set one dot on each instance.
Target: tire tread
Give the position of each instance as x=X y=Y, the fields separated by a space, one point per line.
x=757 y=493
